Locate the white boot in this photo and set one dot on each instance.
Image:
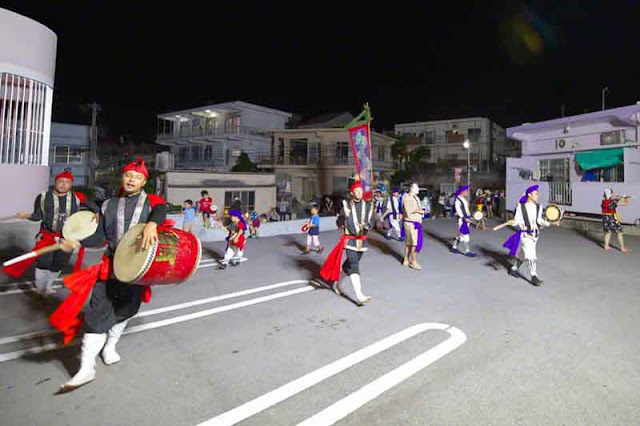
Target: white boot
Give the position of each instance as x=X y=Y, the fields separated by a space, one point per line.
x=53 y=276
x=41 y=279
x=92 y=343
x=357 y=288
x=109 y=354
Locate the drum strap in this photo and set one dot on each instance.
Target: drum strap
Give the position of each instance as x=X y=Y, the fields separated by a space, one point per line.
x=464 y=207
x=136 y=213
x=525 y=215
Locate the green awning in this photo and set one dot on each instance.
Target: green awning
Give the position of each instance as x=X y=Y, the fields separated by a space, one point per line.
x=599 y=159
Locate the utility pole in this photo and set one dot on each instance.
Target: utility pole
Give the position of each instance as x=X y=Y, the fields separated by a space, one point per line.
x=562 y=110
x=604 y=93
x=93 y=147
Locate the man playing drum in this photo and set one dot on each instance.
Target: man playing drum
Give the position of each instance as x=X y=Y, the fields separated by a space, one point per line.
x=461 y=209
x=113 y=303
x=528 y=219
x=53 y=208
x=611 y=219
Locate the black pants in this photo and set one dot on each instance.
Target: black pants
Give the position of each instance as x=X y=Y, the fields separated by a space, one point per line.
x=352 y=264
x=53 y=261
x=111 y=302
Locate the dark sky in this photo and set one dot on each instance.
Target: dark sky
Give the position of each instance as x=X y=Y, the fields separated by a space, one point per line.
x=412 y=60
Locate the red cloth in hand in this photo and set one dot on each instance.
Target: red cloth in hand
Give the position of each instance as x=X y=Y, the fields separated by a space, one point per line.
x=330 y=271
x=65 y=318
x=18 y=269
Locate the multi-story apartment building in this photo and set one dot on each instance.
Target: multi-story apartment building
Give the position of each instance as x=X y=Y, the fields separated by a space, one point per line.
x=314 y=161
x=444 y=140
x=212 y=137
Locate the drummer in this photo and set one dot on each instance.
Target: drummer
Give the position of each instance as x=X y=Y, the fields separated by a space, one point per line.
x=235 y=239
x=52 y=207
x=522 y=244
x=113 y=303
x=461 y=209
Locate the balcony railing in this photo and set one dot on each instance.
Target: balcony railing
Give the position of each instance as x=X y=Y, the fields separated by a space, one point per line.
x=271 y=161
x=190 y=132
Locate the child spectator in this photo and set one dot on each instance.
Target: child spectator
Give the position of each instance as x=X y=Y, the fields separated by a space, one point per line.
x=189 y=213
x=314 y=231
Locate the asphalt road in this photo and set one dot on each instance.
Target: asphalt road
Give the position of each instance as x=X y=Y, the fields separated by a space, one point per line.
x=565 y=353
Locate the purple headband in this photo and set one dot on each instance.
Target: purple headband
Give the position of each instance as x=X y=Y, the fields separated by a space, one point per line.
x=395 y=190
x=461 y=190
x=529 y=190
x=238 y=214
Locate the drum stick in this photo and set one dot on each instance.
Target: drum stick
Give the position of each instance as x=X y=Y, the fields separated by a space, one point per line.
x=503 y=225
x=35 y=253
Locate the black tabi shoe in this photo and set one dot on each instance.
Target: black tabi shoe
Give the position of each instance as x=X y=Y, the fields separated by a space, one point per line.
x=514 y=273
x=454 y=250
x=536 y=281
x=470 y=254
x=222 y=265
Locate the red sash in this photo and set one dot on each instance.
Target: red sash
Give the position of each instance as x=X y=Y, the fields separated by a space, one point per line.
x=330 y=271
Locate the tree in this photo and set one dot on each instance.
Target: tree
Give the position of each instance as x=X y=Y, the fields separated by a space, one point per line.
x=244 y=164
x=400 y=149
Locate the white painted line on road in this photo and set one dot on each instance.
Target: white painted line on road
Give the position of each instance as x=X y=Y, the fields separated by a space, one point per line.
x=156 y=324
x=45 y=333
x=284 y=392
x=218 y=298
x=25 y=290
x=354 y=401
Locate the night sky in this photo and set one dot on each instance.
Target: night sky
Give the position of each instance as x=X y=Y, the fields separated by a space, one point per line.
x=411 y=60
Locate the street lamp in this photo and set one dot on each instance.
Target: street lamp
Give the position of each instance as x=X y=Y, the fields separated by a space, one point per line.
x=467 y=146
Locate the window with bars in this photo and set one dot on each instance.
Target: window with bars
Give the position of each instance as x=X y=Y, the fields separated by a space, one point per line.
x=381 y=149
x=342 y=152
x=247 y=200
x=208 y=153
x=232 y=123
x=558 y=169
x=67 y=155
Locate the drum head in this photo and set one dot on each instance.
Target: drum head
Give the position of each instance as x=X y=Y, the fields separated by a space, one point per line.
x=553 y=213
x=131 y=261
x=478 y=215
x=214 y=208
x=79 y=226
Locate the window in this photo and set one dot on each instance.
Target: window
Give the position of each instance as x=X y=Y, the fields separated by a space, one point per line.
x=232 y=123
x=454 y=137
x=208 y=153
x=182 y=153
x=196 y=153
x=212 y=125
x=381 y=152
x=612 y=138
x=342 y=153
x=430 y=136
x=474 y=134
x=67 y=155
x=555 y=170
x=314 y=152
x=298 y=151
x=247 y=200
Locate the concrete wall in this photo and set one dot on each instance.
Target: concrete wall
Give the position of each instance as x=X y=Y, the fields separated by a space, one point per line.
x=269 y=229
x=187 y=185
x=27 y=48
x=25 y=183
x=63 y=134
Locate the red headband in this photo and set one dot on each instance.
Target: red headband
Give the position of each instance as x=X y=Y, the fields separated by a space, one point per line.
x=64 y=175
x=357 y=184
x=137 y=166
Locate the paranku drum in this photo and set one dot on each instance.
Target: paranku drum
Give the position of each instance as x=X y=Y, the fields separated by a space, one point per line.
x=79 y=226
x=478 y=216
x=171 y=260
x=554 y=213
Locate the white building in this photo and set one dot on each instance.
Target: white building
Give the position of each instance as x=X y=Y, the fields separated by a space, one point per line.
x=212 y=137
x=70 y=150
x=27 y=68
x=574 y=159
x=444 y=141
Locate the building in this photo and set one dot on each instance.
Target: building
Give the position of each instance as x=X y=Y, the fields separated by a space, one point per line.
x=311 y=162
x=443 y=143
x=213 y=136
x=27 y=69
x=574 y=159
x=255 y=191
x=69 y=148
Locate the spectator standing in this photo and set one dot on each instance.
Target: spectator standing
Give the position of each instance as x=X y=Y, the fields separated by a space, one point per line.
x=189 y=216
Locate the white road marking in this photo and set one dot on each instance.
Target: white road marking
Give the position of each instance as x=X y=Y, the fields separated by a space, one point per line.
x=26 y=290
x=146 y=313
x=372 y=390
x=162 y=323
x=362 y=396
